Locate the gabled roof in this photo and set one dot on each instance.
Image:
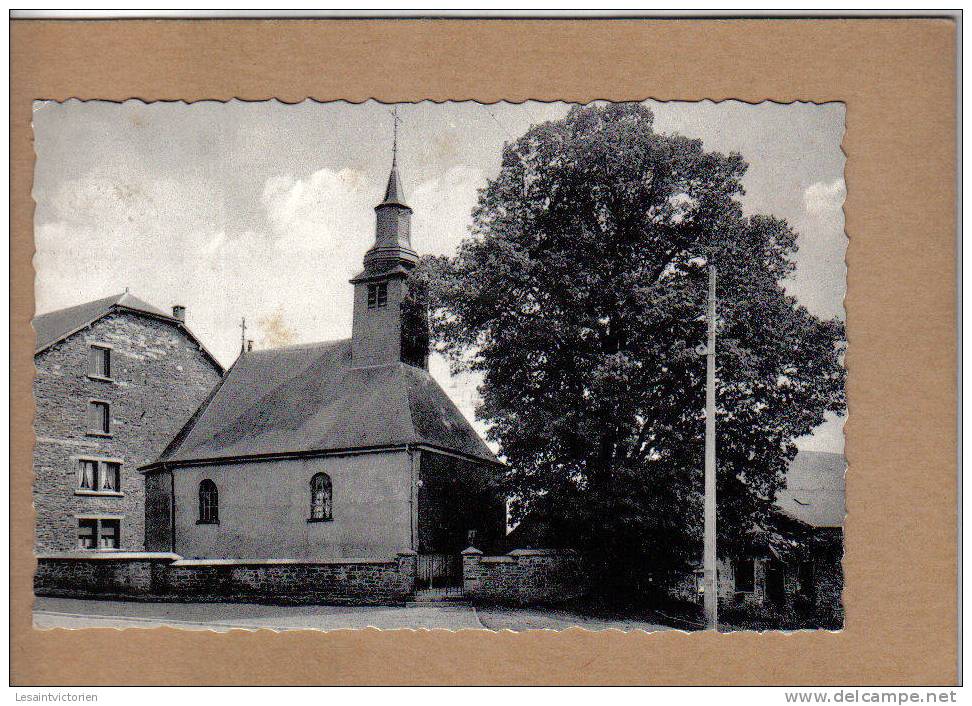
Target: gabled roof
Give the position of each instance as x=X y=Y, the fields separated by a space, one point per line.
x=814 y=491
x=53 y=327
x=308 y=399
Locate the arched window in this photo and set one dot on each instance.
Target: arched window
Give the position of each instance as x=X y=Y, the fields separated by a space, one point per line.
x=321 y=497
x=208 y=503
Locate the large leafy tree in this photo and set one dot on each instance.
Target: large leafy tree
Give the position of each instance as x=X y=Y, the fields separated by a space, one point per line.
x=580 y=299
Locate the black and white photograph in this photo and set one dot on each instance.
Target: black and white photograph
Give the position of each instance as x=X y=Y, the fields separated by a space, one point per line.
x=456 y=365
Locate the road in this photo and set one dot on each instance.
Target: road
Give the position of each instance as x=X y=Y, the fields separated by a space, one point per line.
x=222 y=617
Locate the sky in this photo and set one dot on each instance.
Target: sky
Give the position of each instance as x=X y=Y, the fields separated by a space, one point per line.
x=265 y=210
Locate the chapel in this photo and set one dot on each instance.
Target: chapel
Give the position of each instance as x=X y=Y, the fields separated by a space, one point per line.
x=343 y=449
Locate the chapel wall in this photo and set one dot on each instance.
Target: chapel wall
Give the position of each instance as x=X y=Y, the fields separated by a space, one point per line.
x=265 y=509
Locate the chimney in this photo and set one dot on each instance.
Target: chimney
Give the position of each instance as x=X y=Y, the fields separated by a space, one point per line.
x=249 y=345
x=179 y=312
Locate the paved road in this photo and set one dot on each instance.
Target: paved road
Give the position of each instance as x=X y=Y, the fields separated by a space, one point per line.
x=222 y=617
x=518 y=619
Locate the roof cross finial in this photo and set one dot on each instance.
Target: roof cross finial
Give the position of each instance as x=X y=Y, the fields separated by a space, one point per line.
x=395 y=121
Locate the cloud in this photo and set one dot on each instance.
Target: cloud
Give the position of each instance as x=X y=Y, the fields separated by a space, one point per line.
x=103 y=234
x=328 y=212
x=824 y=198
x=829 y=436
x=166 y=238
x=443 y=208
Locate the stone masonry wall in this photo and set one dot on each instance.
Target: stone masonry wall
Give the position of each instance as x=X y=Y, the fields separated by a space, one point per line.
x=167 y=577
x=159 y=378
x=524 y=577
x=115 y=574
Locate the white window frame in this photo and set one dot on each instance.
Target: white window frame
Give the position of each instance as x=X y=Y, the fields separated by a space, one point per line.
x=98 y=490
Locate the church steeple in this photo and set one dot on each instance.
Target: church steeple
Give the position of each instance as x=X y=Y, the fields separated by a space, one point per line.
x=394 y=193
x=382 y=307
x=393 y=223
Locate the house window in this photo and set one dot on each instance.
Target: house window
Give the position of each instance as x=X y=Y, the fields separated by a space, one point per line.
x=99 y=476
x=321 y=497
x=99 y=362
x=87 y=475
x=87 y=534
x=108 y=534
x=208 y=503
x=110 y=477
x=99 y=418
x=378 y=295
x=745 y=576
x=99 y=533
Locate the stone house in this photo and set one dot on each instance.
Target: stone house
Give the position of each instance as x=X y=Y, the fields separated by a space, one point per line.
x=796 y=568
x=115 y=379
x=340 y=451
x=811 y=517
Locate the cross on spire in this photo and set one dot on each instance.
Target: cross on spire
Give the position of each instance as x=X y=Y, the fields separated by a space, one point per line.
x=395 y=121
x=394 y=195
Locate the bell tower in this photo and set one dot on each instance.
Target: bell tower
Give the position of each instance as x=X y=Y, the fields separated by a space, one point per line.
x=386 y=327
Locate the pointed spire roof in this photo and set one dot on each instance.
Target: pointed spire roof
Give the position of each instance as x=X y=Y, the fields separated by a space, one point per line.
x=394 y=193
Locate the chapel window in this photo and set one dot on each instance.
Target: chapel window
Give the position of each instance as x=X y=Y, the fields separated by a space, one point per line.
x=321 y=497
x=208 y=503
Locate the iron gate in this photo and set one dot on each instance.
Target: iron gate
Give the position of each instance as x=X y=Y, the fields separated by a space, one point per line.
x=439 y=571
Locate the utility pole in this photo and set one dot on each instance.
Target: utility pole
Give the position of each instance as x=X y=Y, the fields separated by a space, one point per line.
x=710 y=570
x=243 y=336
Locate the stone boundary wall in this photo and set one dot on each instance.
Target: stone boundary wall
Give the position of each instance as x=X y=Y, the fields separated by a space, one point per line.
x=153 y=576
x=523 y=577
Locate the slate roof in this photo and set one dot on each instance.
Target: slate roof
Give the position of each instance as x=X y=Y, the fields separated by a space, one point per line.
x=815 y=489
x=394 y=193
x=308 y=398
x=53 y=327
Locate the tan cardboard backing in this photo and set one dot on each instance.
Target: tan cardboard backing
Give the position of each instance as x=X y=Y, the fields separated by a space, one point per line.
x=897 y=78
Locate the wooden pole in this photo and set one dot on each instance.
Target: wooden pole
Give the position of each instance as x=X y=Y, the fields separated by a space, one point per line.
x=710 y=576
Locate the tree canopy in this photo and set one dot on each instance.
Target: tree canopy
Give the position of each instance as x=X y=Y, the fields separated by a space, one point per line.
x=580 y=299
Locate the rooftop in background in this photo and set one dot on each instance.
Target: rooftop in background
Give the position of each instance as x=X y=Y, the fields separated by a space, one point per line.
x=55 y=326
x=814 y=491
x=308 y=398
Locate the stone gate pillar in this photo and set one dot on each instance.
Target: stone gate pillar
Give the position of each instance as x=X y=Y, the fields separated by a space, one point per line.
x=471 y=571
